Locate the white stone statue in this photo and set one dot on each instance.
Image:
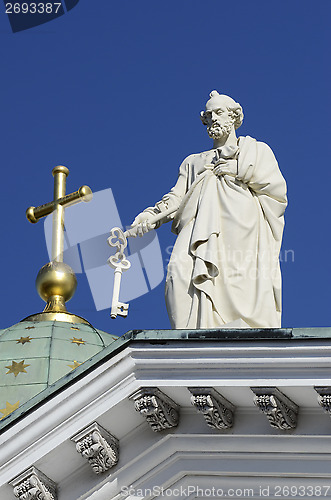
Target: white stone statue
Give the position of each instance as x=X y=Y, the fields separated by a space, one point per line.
x=229 y=203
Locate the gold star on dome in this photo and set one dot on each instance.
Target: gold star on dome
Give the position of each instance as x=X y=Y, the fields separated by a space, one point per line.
x=17 y=368
x=77 y=341
x=75 y=365
x=24 y=340
x=9 y=409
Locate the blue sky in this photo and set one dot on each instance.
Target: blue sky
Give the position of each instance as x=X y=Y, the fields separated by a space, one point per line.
x=113 y=90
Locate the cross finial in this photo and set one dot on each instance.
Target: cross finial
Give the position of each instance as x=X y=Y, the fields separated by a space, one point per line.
x=56 y=282
x=57 y=206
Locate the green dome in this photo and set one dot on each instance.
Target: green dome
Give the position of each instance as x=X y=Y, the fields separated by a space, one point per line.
x=34 y=355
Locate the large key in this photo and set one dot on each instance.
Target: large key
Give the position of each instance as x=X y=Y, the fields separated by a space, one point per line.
x=120 y=264
x=118 y=239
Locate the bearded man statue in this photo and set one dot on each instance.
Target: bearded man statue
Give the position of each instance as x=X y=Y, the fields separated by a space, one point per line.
x=229 y=202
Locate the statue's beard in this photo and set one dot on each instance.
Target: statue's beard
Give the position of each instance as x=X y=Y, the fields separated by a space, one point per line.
x=217 y=131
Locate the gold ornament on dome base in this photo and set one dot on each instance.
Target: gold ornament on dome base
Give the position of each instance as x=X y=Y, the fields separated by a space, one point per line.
x=56 y=284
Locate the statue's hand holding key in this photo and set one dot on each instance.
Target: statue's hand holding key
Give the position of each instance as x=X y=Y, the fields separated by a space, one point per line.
x=142 y=224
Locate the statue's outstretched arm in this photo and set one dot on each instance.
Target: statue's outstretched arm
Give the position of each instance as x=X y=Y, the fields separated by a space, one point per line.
x=167 y=206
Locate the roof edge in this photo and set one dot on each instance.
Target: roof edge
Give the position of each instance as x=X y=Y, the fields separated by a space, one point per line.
x=162 y=337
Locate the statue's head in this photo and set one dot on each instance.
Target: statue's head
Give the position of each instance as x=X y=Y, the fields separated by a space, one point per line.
x=222 y=114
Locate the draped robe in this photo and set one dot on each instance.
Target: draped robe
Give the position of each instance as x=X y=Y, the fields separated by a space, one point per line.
x=225 y=262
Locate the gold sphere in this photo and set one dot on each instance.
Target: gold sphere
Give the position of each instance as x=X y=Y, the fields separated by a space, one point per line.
x=56 y=278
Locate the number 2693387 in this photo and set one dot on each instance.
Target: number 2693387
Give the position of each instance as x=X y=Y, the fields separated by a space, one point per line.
x=33 y=8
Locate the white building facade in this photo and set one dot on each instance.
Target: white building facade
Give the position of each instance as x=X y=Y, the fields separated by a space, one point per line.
x=179 y=414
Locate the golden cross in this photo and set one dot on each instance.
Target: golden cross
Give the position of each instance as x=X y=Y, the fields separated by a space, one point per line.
x=57 y=206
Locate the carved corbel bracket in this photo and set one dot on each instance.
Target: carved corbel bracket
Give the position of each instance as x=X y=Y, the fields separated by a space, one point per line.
x=324 y=398
x=217 y=411
x=160 y=411
x=281 y=412
x=98 y=446
x=33 y=485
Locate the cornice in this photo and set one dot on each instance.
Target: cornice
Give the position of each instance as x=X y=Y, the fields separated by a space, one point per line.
x=170 y=366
